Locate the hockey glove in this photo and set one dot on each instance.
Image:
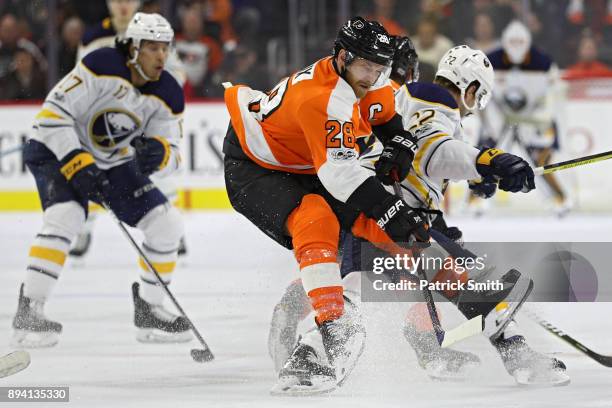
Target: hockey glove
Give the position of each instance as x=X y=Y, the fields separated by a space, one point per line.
x=396 y=158
x=453 y=233
x=512 y=172
x=401 y=222
x=151 y=153
x=482 y=188
x=81 y=171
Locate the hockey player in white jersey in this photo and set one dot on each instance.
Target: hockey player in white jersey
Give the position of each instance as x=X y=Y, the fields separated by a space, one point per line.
x=103 y=129
x=104 y=34
x=525 y=107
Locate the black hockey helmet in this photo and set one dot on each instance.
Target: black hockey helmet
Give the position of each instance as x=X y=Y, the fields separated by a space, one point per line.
x=405 y=61
x=366 y=39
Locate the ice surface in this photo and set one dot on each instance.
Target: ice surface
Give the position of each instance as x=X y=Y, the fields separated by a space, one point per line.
x=229 y=284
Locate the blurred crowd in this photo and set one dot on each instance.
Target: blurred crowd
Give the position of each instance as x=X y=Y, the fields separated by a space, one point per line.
x=241 y=40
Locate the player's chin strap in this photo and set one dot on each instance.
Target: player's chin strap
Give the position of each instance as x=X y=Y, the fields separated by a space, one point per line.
x=133 y=61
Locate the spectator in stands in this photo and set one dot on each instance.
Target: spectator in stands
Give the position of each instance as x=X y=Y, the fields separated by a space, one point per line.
x=11 y=42
x=201 y=55
x=587 y=66
x=384 y=13
x=429 y=43
x=485 y=38
x=72 y=32
x=241 y=66
x=218 y=17
x=9 y=36
x=25 y=79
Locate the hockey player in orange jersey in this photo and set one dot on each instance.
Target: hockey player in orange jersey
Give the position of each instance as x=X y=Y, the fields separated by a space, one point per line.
x=291 y=168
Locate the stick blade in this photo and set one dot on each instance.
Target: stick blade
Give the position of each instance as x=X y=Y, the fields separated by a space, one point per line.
x=463 y=331
x=202 y=355
x=14 y=362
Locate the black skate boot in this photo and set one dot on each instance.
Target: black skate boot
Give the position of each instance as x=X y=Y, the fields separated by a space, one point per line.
x=306 y=372
x=182 y=249
x=528 y=367
x=157 y=325
x=81 y=245
x=342 y=341
x=474 y=302
x=32 y=328
x=439 y=363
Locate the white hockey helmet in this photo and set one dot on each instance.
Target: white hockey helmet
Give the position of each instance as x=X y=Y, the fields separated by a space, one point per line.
x=148 y=27
x=516 y=41
x=152 y=27
x=463 y=66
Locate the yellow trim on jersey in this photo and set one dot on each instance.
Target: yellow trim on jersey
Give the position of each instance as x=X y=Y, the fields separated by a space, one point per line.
x=48 y=254
x=132 y=85
x=76 y=164
x=160 y=267
x=422 y=150
x=187 y=199
x=48 y=114
x=420 y=187
x=428 y=102
x=167 y=151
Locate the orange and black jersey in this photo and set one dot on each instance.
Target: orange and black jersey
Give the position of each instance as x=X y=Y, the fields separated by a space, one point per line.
x=309 y=124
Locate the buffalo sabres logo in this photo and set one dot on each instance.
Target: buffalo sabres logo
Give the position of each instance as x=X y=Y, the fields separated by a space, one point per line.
x=111 y=127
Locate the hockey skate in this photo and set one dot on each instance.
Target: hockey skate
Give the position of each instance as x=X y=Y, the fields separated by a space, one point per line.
x=81 y=244
x=157 y=325
x=306 y=372
x=32 y=328
x=182 y=249
x=439 y=363
x=527 y=366
x=324 y=358
x=516 y=290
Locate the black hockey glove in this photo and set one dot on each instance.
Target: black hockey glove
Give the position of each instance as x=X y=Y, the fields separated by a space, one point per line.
x=151 y=153
x=453 y=233
x=81 y=171
x=401 y=222
x=512 y=172
x=392 y=214
x=482 y=188
x=396 y=157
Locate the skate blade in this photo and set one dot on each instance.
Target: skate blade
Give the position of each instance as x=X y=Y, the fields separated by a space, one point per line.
x=159 y=336
x=553 y=378
x=30 y=339
x=299 y=387
x=13 y=363
x=444 y=375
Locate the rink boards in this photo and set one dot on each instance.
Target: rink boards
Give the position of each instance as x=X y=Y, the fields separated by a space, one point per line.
x=585 y=130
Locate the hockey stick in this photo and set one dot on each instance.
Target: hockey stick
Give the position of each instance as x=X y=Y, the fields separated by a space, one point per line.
x=14 y=149
x=14 y=362
x=449 y=337
x=568 y=164
x=199 y=355
x=600 y=358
